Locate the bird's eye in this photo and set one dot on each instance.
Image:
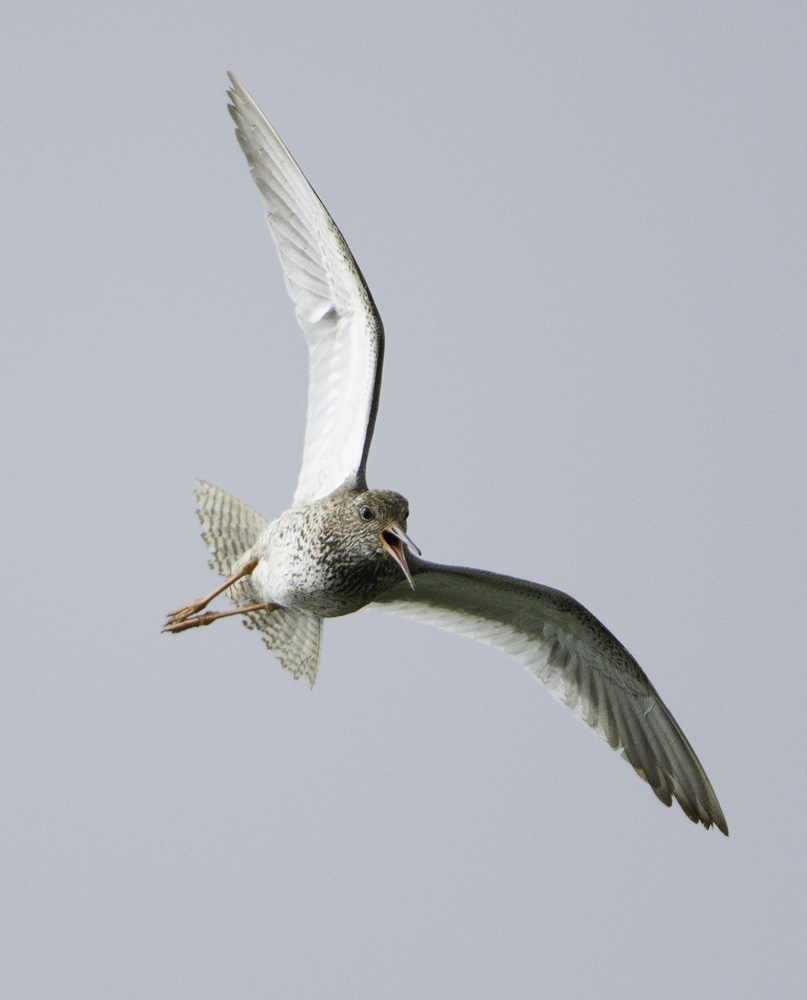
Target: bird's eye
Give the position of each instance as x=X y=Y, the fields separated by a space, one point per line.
x=367 y=513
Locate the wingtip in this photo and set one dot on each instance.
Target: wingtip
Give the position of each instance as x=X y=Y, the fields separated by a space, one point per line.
x=709 y=815
x=237 y=92
x=712 y=816
x=714 y=813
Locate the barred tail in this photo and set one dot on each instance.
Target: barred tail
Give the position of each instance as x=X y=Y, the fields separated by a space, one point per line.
x=230 y=529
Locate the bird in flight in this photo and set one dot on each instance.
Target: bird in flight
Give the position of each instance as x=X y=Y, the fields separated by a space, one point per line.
x=342 y=546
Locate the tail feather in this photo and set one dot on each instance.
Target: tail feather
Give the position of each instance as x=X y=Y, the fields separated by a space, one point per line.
x=230 y=529
x=293 y=636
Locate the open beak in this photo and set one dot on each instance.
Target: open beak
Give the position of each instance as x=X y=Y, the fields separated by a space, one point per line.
x=395 y=540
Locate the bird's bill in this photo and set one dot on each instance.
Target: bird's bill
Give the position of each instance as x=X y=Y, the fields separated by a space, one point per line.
x=394 y=540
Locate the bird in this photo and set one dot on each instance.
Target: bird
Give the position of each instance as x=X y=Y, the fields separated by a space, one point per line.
x=342 y=546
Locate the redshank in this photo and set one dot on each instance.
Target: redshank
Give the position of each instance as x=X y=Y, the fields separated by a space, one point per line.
x=340 y=546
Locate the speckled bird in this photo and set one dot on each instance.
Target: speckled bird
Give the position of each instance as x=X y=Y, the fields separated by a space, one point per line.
x=342 y=546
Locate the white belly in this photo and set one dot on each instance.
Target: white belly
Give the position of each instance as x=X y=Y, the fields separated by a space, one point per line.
x=291 y=573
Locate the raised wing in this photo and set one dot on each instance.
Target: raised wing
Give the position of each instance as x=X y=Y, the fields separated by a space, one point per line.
x=578 y=659
x=333 y=306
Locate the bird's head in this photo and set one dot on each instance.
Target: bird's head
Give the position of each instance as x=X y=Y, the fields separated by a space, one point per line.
x=379 y=519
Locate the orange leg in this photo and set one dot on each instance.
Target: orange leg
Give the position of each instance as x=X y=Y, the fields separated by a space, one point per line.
x=192 y=622
x=185 y=612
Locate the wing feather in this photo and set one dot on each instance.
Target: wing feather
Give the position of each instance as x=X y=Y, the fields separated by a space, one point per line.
x=333 y=306
x=577 y=658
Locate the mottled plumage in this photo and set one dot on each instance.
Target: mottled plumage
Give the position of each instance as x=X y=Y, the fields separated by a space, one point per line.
x=341 y=546
x=327 y=558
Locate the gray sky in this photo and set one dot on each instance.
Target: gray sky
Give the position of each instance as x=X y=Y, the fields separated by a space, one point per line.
x=584 y=226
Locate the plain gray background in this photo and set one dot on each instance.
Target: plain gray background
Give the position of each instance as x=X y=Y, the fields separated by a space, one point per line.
x=584 y=226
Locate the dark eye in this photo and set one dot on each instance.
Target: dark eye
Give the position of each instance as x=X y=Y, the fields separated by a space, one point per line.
x=367 y=513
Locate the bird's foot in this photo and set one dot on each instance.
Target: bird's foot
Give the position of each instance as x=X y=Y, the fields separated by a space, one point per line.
x=180 y=622
x=190 y=620
x=185 y=612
